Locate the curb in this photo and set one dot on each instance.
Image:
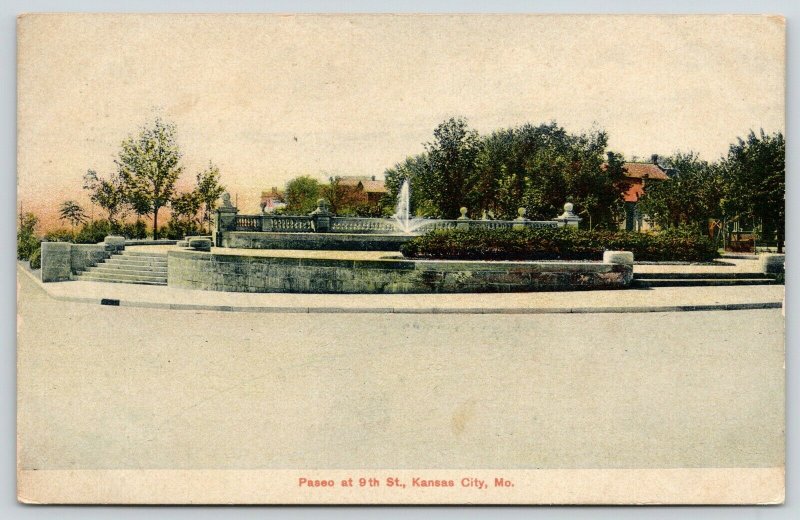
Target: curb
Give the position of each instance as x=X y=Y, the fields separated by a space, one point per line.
x=405 y=310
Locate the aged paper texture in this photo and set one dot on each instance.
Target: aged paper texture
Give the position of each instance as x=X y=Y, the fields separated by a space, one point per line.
x=150 y=392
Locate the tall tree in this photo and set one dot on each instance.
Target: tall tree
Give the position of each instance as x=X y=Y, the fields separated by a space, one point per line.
x=451 y=159
x=755 y=177
x=72 y=212
x=208 y=190
x=148 y=167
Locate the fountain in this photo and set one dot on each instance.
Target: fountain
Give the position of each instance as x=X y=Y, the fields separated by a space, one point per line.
x=402 y=215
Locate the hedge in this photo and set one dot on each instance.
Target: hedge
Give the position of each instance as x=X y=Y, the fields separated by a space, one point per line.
x=36 y=259
x=557 y=244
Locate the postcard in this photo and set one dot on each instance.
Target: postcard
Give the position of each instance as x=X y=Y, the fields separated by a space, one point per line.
x=400 y=259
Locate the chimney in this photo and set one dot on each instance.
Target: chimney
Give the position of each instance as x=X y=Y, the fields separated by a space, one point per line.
x=609 y=156
x=654 y=159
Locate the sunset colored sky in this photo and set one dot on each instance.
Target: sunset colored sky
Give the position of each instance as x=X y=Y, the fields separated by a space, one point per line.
x=270 y=97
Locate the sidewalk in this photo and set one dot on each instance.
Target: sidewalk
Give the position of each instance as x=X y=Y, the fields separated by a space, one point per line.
x=662 y=299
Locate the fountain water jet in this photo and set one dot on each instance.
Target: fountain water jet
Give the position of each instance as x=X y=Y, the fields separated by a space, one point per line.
x=402 y=214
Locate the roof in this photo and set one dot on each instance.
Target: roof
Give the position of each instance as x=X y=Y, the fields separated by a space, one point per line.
x=647 y=170
x=367 y=183
x=643 y=170
x=374 y=186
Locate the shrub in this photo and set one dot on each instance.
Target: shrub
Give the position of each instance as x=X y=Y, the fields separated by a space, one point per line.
x=177 y=229
x=94 y=232
x=137 y=230
x=36 y=259
x=556 y=243
x=59 y=235
x=27 y=241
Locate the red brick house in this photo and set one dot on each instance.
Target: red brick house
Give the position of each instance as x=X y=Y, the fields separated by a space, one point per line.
x=638 y=175
x=364 y=189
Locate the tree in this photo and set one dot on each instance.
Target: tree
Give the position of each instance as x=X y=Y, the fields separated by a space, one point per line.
x=208 y=190
x=538 y=167
x=148 y=168
x=106 y=193
x=755 y=181
x=692 y=195
x=451 y=160
x=186 y=206
x=72 y=212
x=301 y=195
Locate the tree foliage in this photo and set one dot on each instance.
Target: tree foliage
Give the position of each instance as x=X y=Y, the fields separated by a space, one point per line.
x=693 y=194
x=148 y=167
x=72 y=212
x=208 y=190
x=27 y=241
x=535 y=167
x=755 y=181
x=301 y=195
x=106 y=193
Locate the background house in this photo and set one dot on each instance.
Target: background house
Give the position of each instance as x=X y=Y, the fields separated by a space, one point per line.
x=363 y=189
x=272 y=200
x=637 y=175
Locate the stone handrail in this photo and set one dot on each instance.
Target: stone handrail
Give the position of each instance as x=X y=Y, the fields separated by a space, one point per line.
x=304 y=224
x=280 y=223
x=362 y=225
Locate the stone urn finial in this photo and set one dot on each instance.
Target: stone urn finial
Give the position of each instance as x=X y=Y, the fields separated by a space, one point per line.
x=568 y=218
x=520 y=221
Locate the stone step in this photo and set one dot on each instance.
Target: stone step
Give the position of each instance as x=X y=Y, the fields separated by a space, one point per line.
x=706 y=276
x=122 y=277
x=128 y=266
x=135 y=261
x=144 y=253
x=88 y=277
x=129 y=269
x=700 y=282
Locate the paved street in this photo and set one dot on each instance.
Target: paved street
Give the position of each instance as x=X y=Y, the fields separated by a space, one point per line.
x=117 y=387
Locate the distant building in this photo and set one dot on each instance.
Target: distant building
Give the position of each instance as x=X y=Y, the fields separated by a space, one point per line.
x=638 y=175
x=272 y=200
x=364 y=188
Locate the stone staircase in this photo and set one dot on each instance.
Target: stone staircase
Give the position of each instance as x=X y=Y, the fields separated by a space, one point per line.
x=130 y=267
x=701 y=279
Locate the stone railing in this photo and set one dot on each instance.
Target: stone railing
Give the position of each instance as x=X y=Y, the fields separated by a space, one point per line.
x=363 y=225
x=278 y=223
x=304 y=224
x=321 y=220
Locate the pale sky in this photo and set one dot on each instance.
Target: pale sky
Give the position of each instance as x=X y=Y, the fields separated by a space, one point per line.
x=269 y=97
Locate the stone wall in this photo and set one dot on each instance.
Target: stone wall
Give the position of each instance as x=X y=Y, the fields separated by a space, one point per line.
x=84 y=256
x=241 y=273
x=318 y=241
x=62 y=260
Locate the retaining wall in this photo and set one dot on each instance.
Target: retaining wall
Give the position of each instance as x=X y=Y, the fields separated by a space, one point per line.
x=318 y=241
x=62 y=260
x=241 y=273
